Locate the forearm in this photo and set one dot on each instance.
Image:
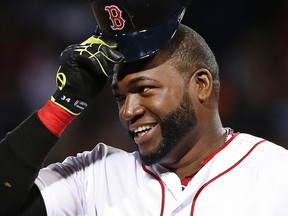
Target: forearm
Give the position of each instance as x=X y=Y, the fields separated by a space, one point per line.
x=80 y=77
x=22 y=153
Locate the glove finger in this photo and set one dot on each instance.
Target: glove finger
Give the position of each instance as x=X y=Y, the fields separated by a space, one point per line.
x=117 y=68
x=69 y=49
x=111 y=55
x=102 y=58
x=65 y=54
x=92 y=50
x=100 y=40
x=105 y=67
x=110 y=60
x=100 y=55
x=97 y=65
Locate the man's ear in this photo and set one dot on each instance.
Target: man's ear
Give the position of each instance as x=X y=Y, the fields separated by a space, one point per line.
x=202 y=83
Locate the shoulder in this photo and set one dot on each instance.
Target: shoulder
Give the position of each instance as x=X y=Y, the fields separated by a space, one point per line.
x=266 y=145
x=106 y=152
x=101 y=155
x=263 y=145
x=267 y=154
x=251 y=140
x=247 y=139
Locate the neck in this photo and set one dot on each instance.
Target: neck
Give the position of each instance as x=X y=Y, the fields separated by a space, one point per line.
x=194 y=155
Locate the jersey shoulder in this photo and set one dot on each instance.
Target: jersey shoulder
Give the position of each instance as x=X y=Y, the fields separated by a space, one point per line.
x=266 y=153
x=101 y=155
x=266 y=145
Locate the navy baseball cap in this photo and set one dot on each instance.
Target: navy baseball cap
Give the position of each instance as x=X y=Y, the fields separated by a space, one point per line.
x=139 y=27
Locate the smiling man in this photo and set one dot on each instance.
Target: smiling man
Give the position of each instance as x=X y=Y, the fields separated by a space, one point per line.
x=161 y=104
x=187 y=163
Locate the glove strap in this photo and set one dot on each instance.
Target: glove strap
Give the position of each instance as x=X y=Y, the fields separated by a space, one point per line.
x=68 y=102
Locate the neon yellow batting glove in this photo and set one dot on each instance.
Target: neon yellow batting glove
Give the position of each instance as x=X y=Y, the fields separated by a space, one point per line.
x=83 y=72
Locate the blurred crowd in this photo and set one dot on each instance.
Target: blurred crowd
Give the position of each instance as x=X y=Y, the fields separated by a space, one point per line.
x=248 y=37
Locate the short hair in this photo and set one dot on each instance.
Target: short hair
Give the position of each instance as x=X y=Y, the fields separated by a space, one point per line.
x=188 y=52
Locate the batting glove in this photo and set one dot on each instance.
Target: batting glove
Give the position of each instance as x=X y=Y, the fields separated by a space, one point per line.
x=83 y=72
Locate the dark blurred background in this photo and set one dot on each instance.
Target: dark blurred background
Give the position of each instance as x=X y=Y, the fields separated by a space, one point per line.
x=249 y=38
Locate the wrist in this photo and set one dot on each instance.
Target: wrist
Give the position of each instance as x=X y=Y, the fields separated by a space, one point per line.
x=68 y=102
x=55 y=118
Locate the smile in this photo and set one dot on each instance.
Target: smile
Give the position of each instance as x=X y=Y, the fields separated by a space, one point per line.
x=143 y=133
x=142 y=130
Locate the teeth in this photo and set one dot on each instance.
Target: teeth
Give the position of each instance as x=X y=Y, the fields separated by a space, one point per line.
x=142 y=128
x=141 y=133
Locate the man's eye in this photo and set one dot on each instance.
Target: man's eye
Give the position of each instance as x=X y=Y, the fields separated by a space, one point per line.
x=144 y=89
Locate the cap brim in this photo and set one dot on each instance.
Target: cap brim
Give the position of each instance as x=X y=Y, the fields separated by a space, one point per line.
x=144 y=43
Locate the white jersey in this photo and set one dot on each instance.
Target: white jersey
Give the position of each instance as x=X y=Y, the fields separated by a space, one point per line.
x=248 y=177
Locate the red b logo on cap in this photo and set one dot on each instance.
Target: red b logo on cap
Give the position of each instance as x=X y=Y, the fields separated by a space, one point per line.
x=115 y=15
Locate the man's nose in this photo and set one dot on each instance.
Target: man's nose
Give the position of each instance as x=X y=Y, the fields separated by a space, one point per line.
x=132 y=108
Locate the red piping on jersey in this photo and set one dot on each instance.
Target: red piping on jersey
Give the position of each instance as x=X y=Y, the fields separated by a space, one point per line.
x=185 y=180
x=162 y=187
x=219 y=175
x=210 y=156
x=206 y=160
x=207 y=183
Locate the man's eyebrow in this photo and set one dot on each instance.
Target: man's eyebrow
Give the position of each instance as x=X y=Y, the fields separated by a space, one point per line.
x=140 y=78
x=133 y=81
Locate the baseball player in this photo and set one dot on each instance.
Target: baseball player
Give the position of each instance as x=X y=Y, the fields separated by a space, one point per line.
x=167 y=91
